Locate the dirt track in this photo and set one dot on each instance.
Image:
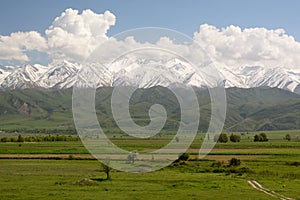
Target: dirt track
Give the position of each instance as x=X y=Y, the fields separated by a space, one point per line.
x=254 y=184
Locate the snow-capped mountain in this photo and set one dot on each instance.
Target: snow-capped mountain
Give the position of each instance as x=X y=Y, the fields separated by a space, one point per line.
x=255 y=76
x=144 y=73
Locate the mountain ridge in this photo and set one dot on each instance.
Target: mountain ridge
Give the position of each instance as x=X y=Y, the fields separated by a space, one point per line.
x=144 y=74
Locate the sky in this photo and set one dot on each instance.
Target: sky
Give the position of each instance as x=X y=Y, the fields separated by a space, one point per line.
x=183 y=16
x=33 y=17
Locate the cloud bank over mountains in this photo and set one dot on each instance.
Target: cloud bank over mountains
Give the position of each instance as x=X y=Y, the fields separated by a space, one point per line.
x=74 y=36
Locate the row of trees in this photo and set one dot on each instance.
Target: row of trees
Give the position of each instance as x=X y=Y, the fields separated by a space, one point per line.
x=40 y=138
x=69 y=131
x=223 y=138
x=262 y=137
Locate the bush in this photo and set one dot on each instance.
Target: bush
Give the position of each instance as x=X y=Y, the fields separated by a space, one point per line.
x=234 y=162
x=235 y=138
x=184 y=156
x=221 y=138
x=288 y=137
x=262 y=137
x=20 y=138
x=5 y=139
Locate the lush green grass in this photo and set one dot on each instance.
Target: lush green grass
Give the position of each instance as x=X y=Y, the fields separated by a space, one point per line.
x=275 y=146
x=275 y=164
x=43 y=179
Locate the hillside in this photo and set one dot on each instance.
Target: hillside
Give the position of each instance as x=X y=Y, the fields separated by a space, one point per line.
x=35 y=110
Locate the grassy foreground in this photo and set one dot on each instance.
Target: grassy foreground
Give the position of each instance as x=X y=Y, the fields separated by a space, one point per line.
x=64 y=179
x=65 y=170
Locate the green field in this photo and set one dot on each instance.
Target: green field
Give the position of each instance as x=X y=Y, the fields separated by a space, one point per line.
x=66 y=170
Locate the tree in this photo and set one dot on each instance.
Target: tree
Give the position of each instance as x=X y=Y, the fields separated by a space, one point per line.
x=20 y=138
x=288 y=137
x=234 y=162
x=184 y=156
x=106 y=168
x=221 y=138
x=262 y=137
x=257 y=138
x=235 y=138
x=132 y=157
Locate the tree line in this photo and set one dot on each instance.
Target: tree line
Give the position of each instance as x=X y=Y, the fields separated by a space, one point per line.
x=40 y=138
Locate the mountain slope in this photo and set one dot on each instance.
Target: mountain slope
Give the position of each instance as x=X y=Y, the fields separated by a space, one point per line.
x=251 y=109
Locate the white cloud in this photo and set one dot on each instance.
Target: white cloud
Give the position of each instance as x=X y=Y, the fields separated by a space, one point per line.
x=17 y=44
x=252 y=46
x=74 y=36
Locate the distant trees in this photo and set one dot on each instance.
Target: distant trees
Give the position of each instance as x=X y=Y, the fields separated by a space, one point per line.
x=40 y=138
x=20 y=138
x=235 y=138
x=288 y=137
x=223 y=138
x=262 y=137
x=132 y=157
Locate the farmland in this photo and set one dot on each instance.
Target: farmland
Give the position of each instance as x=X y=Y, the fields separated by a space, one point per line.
x=66 y=170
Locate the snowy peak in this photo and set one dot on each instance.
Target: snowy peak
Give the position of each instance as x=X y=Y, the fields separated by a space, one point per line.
x=248 y=77
x=144 y=73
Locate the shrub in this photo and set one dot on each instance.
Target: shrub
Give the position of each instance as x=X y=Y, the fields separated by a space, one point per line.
x=20 y=138
x=234 y=162
x=5 y=139
x=235 y=138
x=288 y=137
x=223 y=138
x=184 y=156
x=262 y=137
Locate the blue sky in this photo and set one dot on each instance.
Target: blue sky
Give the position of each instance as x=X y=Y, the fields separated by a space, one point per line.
x=210 y=21
x=184 y=16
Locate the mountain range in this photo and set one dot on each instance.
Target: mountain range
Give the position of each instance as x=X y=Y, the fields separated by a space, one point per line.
x=251 y=109
x=144 y=74
x=36 y=97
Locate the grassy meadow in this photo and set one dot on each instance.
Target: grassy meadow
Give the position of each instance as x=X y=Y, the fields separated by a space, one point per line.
x=66 y=170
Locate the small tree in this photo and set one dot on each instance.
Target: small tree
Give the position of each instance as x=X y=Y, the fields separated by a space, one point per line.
x=20 y=138
x=262 y=137
x=132 y=157
x=184 y=156
x=288 y=137
x=235 y=138
x=234 y=162
x=257 y=138
x=223 y=138
x=106 y=168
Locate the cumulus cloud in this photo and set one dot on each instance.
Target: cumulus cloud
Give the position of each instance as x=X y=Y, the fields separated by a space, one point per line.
x=15 y=46
x=249 y=47
x=74 y=36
